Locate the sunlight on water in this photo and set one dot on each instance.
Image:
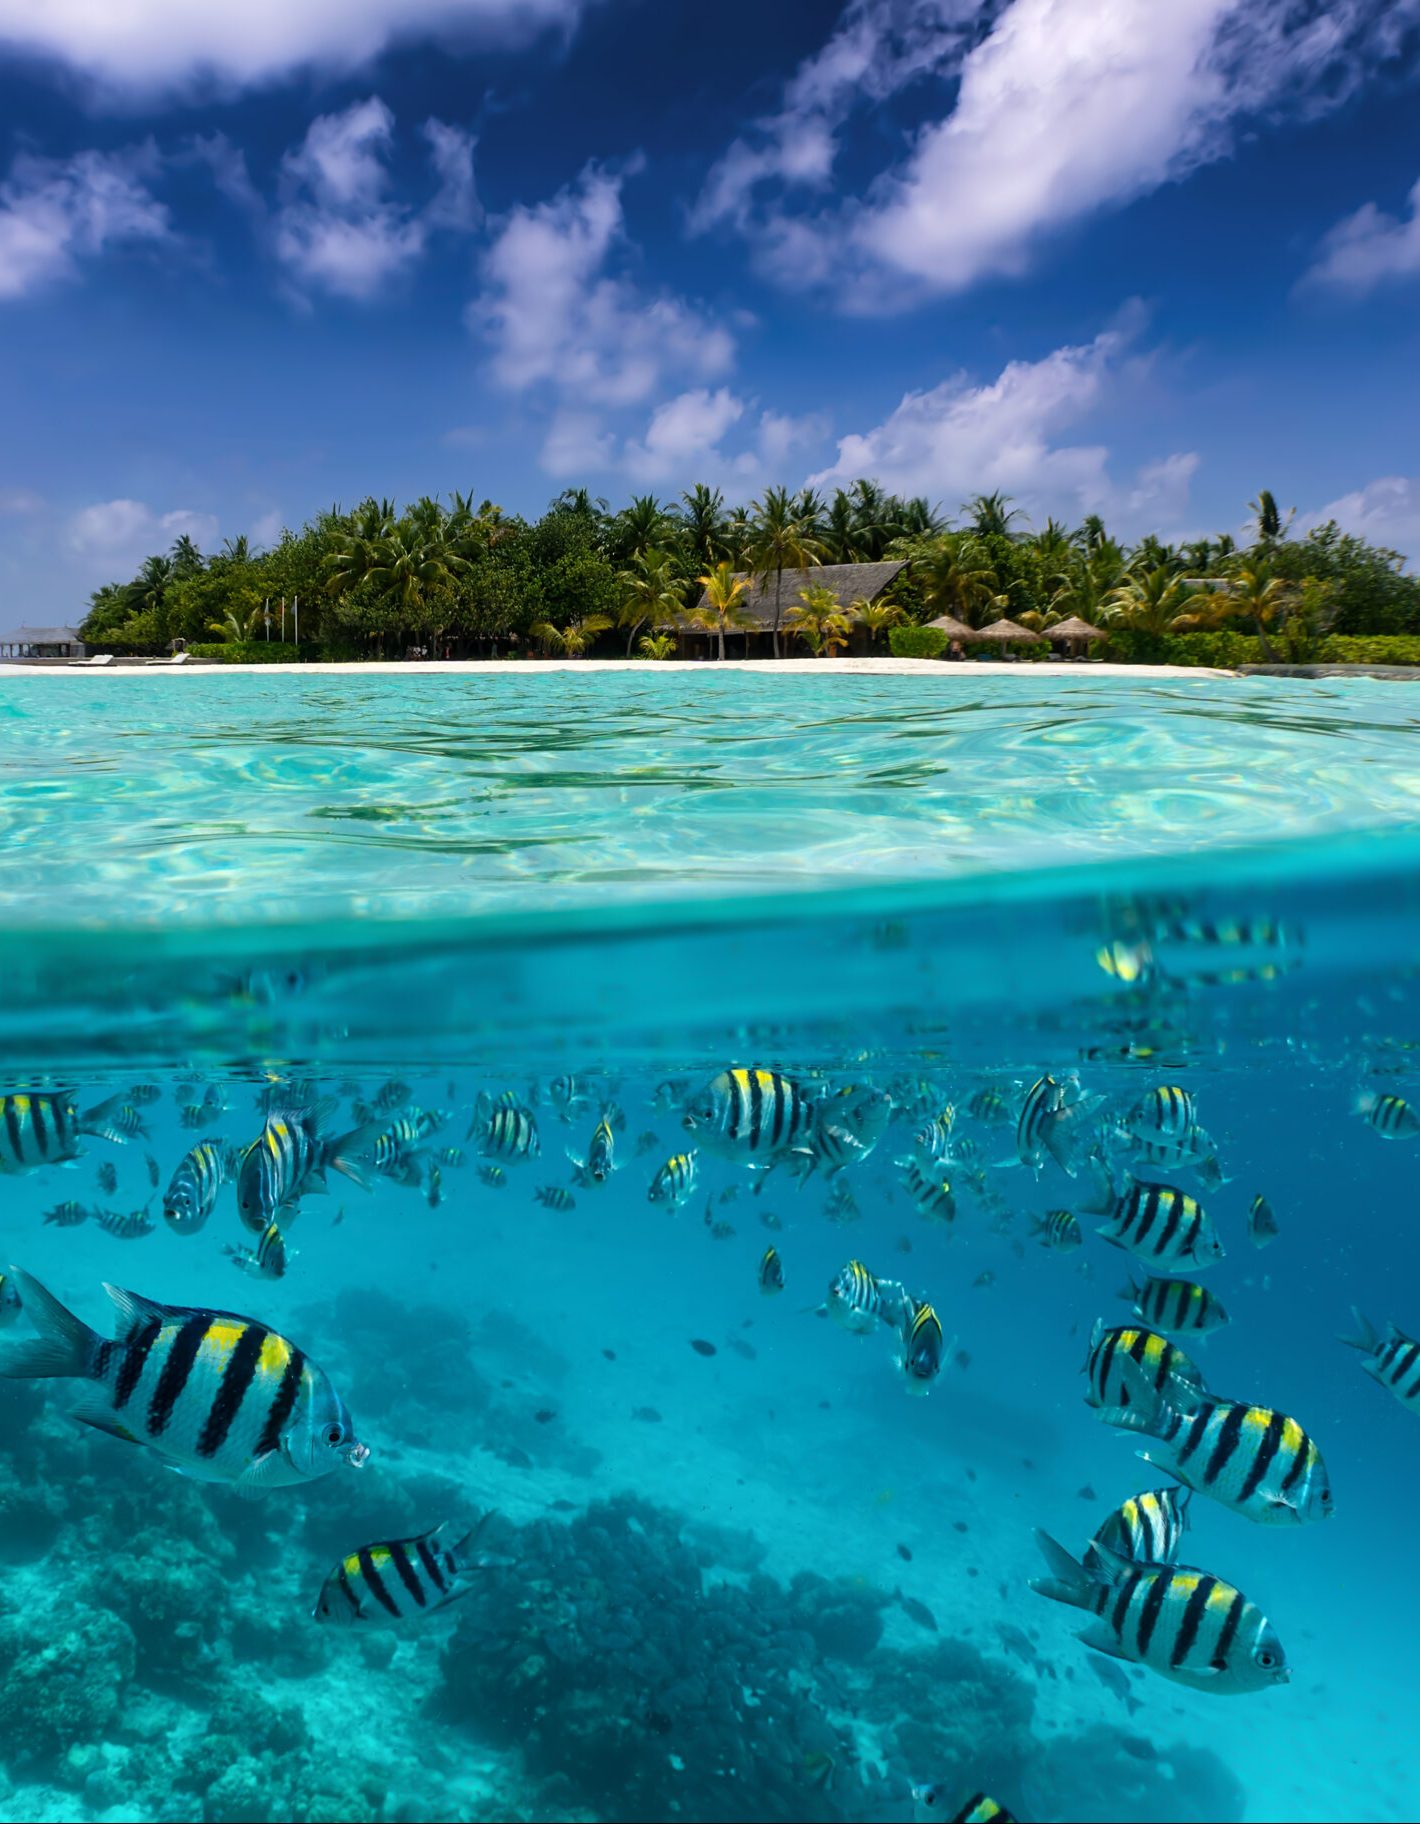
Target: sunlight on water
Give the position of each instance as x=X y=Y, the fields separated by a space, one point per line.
x=733 y=1567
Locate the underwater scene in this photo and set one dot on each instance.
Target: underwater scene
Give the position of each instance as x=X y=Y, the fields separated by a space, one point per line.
x=709 y=1246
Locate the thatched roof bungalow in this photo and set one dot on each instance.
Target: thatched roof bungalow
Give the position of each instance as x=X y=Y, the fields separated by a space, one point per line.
x=847 y=583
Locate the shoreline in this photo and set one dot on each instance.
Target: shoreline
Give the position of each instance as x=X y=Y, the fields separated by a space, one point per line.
x=885 y=667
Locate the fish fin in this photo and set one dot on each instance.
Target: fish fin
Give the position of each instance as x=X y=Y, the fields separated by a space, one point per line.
x=258 y=1476
x=102 y=1420
x=1127 y=1418
x=999 y=1165
x=343 y=1155
x=65 y=1348
x=1366 y=1338
x=134 y=1311
x=1129 y=1290
x=1070 y=1582
x=1102 y=1196
x=1098 y=1637
x=1061 y=1133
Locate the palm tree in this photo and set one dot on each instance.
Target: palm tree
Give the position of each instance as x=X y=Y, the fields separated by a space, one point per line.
x=236 y=550
x=643 y=526
x=819 y=621
x=918 y=518
x=187 y=560
x=1270 y=524
x=151 y=583
x=721 y=607
x=571 y=639
x=840 y=531
x=233 y=627
x=877 y=617
x=1149 y=601
x=780 y=539
x=1256 y=595
x=657 y=646
x=992 y=514
x=650 y=592
x=957 y=577
x=706 y=525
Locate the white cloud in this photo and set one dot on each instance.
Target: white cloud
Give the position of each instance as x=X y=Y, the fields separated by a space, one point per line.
x=1387 y=512
x=129 y=528
x=576 y=444
x=147 y=44
x=960 y=439
x=1063 y=108
x=554 y=314
x=1369 y=248
x=55 y=213
x=338 y=229
x=684 y=433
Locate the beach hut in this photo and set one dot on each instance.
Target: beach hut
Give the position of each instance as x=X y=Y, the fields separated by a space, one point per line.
x=846 y=583
x=957 y=632
x=1074 y=633
x=1005 y=633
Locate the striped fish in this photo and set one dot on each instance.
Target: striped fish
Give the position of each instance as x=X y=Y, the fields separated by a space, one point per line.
x=268 y=1260
x=106 y=1177
x=403 y=1137
x=674 y=1184
x=931 y=1802
x=218 y=1397
x=493 y=1176
x=771 y=1272
x=67 y=1215
x=125 y=1225
x=1262 y=1226
x=1147 y=1528
x=934 y=1140
x=1120 y=1354
x=1166 y=1114
x=38 y=1128
x=1391 y=1116
x=192 y=1192
x=990 y=1106
x=841 y=1206
x=931 y=1196
x=289 y=1159
x=503 y=1131
x=1050 y=1121
x=860 y=1302
x=401 y=1579
x=1258 y=1462
x=1159 y=1223
x=555 y=1197
x=1184 y=1624
x=143 y=1095
x=922 y=1345
x=754 y=1116
x=600 y=1161
x=1394 y=1362
x=1058 y=1230
x=1177 y=1305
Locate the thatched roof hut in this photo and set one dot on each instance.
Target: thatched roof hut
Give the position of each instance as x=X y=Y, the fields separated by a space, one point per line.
x=846 y=583
x=1006 y=632
x=1073 y=629
x=953 y=628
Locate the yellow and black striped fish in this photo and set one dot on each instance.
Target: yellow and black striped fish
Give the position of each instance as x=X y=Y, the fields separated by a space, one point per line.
x=1182 y=1623
x=555 y=1197
x=931 y=1802
x=1391 y=1116
x=1050 y=1119
x=1258 y=1462
x=39 y=1128
x=192 y=1193
x=1167 y=1113
x=600 y=1161
x=402 y=1579
x=1262 y=1225
x=68 y=1215
x=922 y=1345
x=931 y=1194
x=1394 y=1362
x=674 y=1184
x=1178 y=1305
x=990 y=1106
x=1146 y=1528
x=220 y=1397
x=289 y=1158
x=860 y=1302
x=1121 y=1353
x=268 y=1260
x=125 y=1225
x=755 y=1116
x=1059 y=1230
x=771 y=1272
x=503 y=1130
x=933 y=1140
x=1159 y=1223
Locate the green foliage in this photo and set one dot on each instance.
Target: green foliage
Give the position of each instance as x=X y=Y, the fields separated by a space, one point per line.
x=263 y=652
x=917 y=642
x=1379 y=649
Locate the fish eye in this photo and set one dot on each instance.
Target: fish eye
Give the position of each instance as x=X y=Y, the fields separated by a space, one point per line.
x=334 y=1434
x=1266 y=1658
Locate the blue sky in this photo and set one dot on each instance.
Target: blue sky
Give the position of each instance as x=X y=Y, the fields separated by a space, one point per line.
x=1140 y=257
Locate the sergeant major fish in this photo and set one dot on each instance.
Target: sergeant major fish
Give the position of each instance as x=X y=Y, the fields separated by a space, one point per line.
x=922 y=1345
x=218 y=1397
x=289 y=1159
x=1177 y=1305
x=68 y=1215
x=1157 y=1222
x=268 y=1260
x=1119 y=1354
x=40 y=1128
x=1050 y=1118
x=771 y=1272
x=1185 y=1624
x=1262 y=1225
x=1391 y=1116
x=1146 y=1528
x=860 y=1302
x=675 y=1182
x=503 y=1130
x=192 y=1192
x=555 y=1197
x=1058 y=1230
x=401 y=1579
x=125 y=1225
x=753 y=1116
x=931 y=1195
x=1394 y=1362
x=930 y=1803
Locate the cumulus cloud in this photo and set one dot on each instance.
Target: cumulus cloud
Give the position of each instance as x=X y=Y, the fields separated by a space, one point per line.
x=56 y=213
x=1062 y=108
x=121 y=528
x=1386 y=511
x=337 y=228
x=1369 y=248
x=556 y=312
x=959 y=439
x=684 y=431
x=154 y=44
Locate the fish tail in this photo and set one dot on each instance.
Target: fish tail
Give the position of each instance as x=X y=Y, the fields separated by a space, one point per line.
x=1130 y=1291
x=1070 y=1582
x=1365 y=1339
x=1101 y=1199
x=65 y=1349
x=349 y=1155
x=468 y=1553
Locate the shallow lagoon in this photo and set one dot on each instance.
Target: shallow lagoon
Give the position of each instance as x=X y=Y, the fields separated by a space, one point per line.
x=490 y=883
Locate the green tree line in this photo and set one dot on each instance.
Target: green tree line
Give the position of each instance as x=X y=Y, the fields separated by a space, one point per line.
x=467 y=579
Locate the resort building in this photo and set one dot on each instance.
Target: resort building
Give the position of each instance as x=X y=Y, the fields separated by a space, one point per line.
x=847 y=583
x=41 y=643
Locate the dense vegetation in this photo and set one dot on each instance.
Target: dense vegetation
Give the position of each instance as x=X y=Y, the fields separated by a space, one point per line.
x=464 y=580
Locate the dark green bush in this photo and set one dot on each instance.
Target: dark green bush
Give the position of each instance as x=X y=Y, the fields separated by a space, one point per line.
x=1370 y=649
x=917 y=642
x=258 y=652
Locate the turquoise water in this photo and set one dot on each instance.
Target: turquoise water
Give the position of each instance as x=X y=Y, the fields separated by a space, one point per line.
x=734 y=1568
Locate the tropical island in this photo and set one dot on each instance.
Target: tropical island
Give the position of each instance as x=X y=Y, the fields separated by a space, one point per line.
x=860 y=572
